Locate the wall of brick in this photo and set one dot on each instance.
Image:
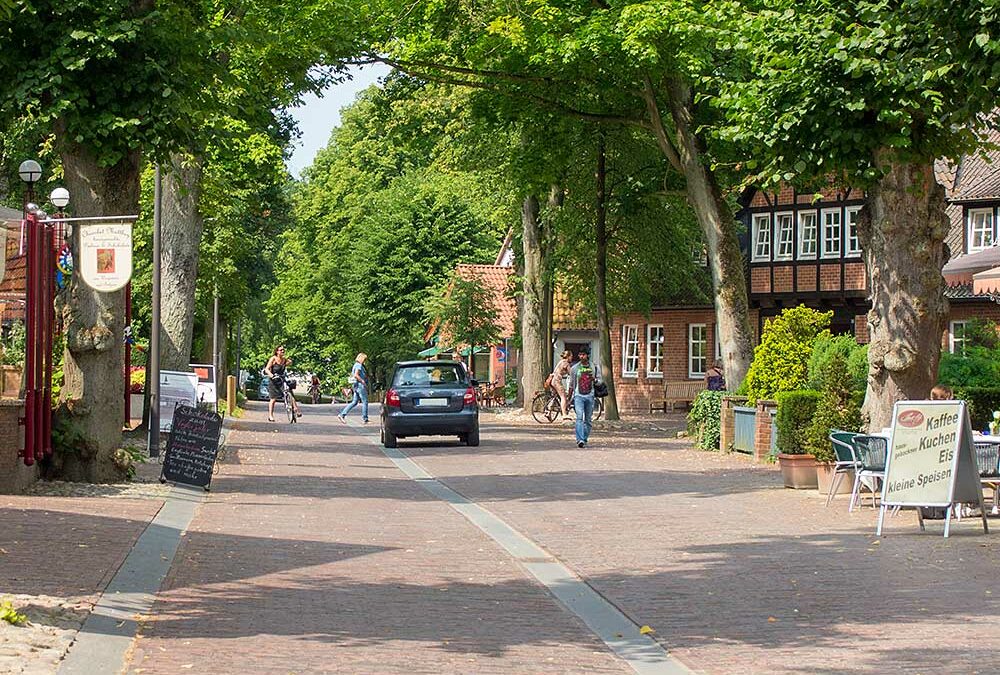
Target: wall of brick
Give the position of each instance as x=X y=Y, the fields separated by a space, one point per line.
x=635 y=392
x=855 y=278
x=762 y=433
x=861 y=329
x=805 y=277
x=829 y=277
x=15 y=477
x=760 y=280
x=783 y=279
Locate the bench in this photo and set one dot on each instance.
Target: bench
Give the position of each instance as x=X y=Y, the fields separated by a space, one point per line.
x=677 y=392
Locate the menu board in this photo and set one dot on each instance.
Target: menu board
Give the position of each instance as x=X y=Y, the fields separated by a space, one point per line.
x=192 y=447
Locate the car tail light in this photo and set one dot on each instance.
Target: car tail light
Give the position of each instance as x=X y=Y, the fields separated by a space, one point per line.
x=392 y=398
x=470 y=396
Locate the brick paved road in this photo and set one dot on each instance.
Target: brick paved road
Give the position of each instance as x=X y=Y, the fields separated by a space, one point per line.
x=314 y=554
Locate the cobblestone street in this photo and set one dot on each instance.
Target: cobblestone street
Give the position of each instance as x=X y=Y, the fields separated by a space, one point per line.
x=315 y=553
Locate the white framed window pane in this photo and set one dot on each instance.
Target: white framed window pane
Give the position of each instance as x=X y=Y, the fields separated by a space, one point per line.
x=630 y=350
x=832 y=233
x=853 y=243
x=697 y=350
x=654 y=351
x=957 y=337
x=980 y=229
x=808 y=234
x=786 y=237
x=762 y=237
x=718 y=344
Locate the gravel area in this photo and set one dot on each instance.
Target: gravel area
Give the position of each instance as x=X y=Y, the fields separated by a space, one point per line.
x=38 y=645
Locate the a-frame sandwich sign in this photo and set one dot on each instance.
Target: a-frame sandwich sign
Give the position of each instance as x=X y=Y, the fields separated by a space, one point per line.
x=931 y=461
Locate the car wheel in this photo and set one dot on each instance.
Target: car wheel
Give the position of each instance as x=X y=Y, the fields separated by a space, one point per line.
x=472 y=438
x=388 y=439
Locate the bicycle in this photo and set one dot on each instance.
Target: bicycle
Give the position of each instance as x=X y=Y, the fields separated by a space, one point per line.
x=546 y=407
x=288 y=399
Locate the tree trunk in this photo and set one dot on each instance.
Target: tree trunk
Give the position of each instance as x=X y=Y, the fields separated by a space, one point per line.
x=718 y=226
x=533 y=302
x=91 y=399
x=902 y=231
x=601 y=287
x=555 y=201
x=181 y=232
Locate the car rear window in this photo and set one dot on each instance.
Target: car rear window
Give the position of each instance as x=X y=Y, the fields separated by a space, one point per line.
x=430 y=375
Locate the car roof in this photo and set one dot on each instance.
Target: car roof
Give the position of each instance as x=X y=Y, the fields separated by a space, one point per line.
x=403 y=364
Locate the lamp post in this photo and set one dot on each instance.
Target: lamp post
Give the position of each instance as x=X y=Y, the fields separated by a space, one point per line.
x=30 y=172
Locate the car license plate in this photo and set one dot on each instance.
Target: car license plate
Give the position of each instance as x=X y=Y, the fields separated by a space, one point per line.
x=432 y=402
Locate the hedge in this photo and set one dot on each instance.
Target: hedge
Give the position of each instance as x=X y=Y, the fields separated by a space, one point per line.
x=795 y=414
x=981 y=401
x=705 y=419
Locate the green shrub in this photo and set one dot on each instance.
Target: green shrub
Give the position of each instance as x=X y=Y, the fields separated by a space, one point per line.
x=796 y=410
x=705 y=419
x=978 y=364
x=781 y=360
x=845 y=346
x=839 y=407
x=981 y=401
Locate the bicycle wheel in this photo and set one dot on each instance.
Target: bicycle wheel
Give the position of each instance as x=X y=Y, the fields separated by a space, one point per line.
x=289 y=407
x=598 y=408
x=553 y=409
x=539 y=408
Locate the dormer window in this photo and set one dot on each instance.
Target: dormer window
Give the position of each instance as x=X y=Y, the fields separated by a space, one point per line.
x=981 y=229
x=762 y=237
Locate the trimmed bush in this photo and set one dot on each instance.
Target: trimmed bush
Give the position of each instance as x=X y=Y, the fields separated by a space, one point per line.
x=705 y=419
x=828 y=347
x=796 y=410
x=781 y=360
x=839 y=407
x=981 y=401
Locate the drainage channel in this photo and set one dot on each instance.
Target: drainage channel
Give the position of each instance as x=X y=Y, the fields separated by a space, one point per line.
x=645 y=655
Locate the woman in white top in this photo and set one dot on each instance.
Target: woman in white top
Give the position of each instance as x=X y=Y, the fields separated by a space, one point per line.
x=559 y=374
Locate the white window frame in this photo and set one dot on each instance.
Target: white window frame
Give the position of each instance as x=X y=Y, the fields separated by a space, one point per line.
x=654 y=351
x=692 y=373
x=827 y=253
x=971 y=230
x=960 y=341
x=779 y=236
x=802 y=239
x=630 y=337
x=761 y=245
x=718 y=342
x=852 y=246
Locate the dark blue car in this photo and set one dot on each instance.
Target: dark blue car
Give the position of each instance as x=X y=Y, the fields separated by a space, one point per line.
x=430 y=398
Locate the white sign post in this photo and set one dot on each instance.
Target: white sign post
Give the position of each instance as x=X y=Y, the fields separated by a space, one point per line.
x=176 y=388
x=106 y=255
x=931 y=460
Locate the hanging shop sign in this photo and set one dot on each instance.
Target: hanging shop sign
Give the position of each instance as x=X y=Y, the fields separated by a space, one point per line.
x=931 y=461
x=106 y=255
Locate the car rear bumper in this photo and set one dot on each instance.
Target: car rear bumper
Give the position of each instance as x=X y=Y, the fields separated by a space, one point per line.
x=430 y=424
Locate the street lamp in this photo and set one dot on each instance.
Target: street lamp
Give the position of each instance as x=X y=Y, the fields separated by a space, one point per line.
x=30 y=172
x=60 y=199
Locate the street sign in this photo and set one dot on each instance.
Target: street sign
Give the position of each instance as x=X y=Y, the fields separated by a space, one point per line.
x=501 y=354
x=206 y=383
x=106 y=255
x=192 y=447
x=176 y=388
x=931 y=460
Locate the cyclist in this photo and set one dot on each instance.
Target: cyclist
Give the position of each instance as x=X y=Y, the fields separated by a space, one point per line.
x=559 y=375
x=275 y=369
x=314 y=389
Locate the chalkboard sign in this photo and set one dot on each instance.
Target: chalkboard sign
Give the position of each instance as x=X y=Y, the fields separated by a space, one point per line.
x=192 y=447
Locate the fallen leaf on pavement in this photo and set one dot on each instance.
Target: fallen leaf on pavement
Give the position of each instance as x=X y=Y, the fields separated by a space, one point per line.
x=646 y=630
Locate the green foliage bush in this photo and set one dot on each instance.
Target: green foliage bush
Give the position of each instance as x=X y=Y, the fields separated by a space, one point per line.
x=981 y=401
x=828 y=347
x=15 y=345
x=796 y=410
x=705 y=419
x=839 y=407
x=978 y=365
x=781 y=360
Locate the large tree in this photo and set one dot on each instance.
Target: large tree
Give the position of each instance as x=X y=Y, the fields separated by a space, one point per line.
x=869 y=94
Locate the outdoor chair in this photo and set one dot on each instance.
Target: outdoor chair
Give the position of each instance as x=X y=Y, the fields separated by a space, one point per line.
x=870 y=452
x=988 y=460
x=845 y=463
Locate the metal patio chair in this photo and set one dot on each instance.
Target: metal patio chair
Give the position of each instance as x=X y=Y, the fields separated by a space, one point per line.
x=871 y=453
x=988 y=461
x=845 y=463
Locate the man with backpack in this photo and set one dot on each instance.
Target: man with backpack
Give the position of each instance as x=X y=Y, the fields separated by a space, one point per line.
x=582 y=385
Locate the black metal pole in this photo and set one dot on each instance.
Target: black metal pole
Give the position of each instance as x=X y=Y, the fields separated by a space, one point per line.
x=153 y=369
x=216 y=361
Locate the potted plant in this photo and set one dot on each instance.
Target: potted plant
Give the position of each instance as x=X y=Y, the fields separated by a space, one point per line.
x=796 y=410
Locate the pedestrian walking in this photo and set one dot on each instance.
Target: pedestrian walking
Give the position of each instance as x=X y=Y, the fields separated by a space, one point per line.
x=359 y=384
x=715 y=380
x=582 y=382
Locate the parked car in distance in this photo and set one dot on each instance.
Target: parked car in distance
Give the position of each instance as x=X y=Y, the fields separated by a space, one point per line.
x=430 y=398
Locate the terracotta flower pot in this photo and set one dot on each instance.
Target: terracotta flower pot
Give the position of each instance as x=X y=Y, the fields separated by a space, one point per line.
x=824 y=476
x=798 y=471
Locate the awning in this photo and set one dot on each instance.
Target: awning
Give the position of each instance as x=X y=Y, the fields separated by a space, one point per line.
x=429 y=352
x=960 y=270
x=987 y=281
x=479 y=350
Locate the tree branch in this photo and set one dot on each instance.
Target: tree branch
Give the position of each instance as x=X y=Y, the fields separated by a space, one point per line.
x=656 y=124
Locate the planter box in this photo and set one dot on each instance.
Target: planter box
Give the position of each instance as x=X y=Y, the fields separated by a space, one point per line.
x=798 y=471
x=11 y=384
x=824 y=476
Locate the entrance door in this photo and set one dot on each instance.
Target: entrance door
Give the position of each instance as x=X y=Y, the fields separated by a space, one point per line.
x=575 y=348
